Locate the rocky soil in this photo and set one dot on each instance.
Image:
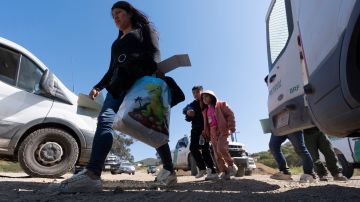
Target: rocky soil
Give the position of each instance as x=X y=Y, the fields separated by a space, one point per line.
x=139 y=187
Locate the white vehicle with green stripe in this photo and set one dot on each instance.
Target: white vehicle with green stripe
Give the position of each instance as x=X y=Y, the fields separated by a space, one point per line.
x=314 y=66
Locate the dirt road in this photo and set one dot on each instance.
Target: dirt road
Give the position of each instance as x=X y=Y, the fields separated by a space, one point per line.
x=138 y=187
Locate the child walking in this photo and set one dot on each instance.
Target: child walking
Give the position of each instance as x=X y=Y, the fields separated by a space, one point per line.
x=219 y=121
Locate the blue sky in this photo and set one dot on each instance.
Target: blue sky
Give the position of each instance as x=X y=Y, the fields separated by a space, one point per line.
x=226 y=42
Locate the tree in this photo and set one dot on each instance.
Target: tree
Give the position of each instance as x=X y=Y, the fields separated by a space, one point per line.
x=292 y=159
x=121 y=145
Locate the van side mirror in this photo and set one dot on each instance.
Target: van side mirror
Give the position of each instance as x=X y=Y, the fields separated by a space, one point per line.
x=47 y=83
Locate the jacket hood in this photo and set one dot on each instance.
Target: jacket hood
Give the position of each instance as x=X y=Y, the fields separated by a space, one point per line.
x=210 y=92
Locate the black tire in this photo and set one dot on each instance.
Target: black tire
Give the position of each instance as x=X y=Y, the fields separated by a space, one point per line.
x=241 y=171
x=347 y=168
x=113 y=172
x=248 y=172
x=193 y=167
x=48 y=152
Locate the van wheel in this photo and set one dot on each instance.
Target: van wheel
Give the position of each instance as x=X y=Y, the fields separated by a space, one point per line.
x=353 y=63
x=248 y=172
x=241 y=171
x=48 y=152
x=193 y=167
x=347 y=168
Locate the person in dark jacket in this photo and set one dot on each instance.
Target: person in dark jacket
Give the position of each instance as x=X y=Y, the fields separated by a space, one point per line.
x=134 y=54
x=203 y=159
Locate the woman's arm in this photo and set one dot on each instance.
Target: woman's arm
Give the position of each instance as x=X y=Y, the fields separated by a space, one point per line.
x=229 y=116
x=106 y=78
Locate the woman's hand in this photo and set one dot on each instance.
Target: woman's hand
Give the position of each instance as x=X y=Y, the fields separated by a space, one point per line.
x=190 y=113
x=94 y=93
x=159 y=74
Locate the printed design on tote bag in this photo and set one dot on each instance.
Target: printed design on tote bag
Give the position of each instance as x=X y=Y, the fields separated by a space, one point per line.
x=151 y=114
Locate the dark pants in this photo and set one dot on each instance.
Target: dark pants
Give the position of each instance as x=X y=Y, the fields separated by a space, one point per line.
x=317 y=141
x=204 y=157
x=297 y=140
x=165 y=156
x=103 y=138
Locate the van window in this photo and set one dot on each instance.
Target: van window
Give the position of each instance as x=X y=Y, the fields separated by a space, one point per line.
x=29 y=75
x=278 y=29
x=9 y=63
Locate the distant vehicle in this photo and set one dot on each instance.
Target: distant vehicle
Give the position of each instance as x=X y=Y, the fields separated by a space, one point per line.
x=43 y=125
x=182 y=158
x=251 y=166
x=152 y=169
x=111 y=161
x=124 y=167
x=314 y=66
x=348 y=152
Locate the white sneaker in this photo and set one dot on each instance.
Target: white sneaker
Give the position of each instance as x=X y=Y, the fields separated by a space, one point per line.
x=304 y=178
x=79 y=182
x=225 y=176
x=232 y=170
x=200 y=174
x=211 y=176
x=166 y=178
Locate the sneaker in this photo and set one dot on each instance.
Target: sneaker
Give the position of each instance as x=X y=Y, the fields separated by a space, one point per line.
x=79 y=182
x=166 y=178
x=225 y=175
x=281 y=176
x=232 y=170
x=212 y=176
x=340 y=177
x=200 y=174
x=324 y=178
x=304 y=178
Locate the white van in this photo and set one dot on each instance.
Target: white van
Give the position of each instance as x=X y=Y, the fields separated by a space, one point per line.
x=347 y=150
x=43 y=125
x=314 y=66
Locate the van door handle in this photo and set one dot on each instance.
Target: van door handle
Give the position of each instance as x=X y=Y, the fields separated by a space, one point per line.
x=272 y=78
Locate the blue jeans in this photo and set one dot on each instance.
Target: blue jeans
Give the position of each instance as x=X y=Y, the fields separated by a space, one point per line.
x=297 y=140
x=103 y=138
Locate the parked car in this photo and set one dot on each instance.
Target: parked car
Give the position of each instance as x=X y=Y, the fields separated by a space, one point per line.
x=124 y=167
x=348 y=152
x=251 y=166
x=182 y=158
x=152 y=169
x=43 y=125
x=111 y=161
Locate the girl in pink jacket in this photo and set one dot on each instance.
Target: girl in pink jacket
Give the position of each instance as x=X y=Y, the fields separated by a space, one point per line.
x=219 y=121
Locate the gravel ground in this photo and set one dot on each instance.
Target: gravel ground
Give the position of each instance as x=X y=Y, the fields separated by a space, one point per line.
x=139 y=187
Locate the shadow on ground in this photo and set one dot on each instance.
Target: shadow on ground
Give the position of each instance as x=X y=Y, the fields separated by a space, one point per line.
x=233 y=190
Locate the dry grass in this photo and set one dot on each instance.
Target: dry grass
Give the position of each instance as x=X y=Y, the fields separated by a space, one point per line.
x=8 y=166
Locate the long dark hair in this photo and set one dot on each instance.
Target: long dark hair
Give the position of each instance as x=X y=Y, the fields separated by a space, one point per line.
x=138 y=20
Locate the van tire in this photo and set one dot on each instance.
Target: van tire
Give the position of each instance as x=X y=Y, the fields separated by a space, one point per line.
x=347 y=168
x=52 y=141
x=241 y=171
x=248 y=172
